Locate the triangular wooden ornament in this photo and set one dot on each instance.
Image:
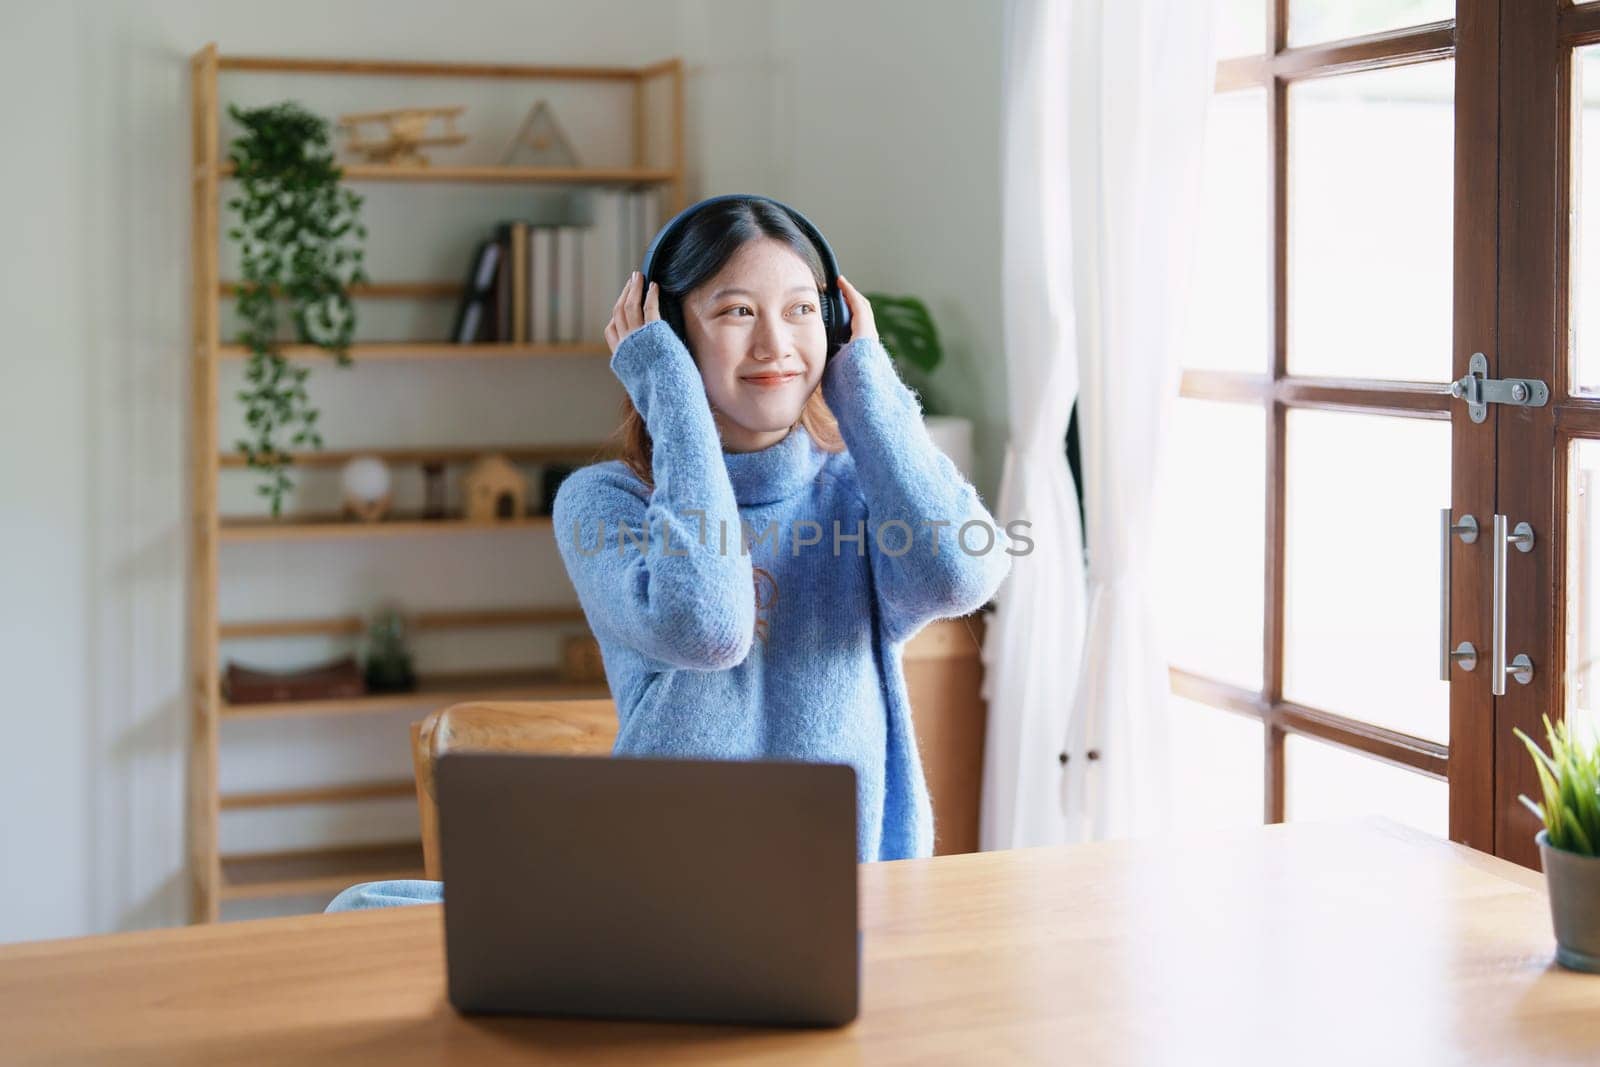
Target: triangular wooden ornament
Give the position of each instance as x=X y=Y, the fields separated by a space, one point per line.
x=540 y=142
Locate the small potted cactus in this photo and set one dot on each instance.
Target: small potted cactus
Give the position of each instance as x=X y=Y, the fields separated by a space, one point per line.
x=1569 y=844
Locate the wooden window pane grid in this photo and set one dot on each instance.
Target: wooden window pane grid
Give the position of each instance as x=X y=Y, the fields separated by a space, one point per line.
x=1340 y=654
x=1277 y=392
x=1315 y=21
x=1577 y=405
x=1371 y=267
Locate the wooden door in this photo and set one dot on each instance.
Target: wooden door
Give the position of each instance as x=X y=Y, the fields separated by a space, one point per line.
x=1343 y=291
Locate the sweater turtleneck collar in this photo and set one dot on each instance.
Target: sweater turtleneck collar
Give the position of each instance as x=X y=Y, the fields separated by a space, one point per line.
x=775 y=472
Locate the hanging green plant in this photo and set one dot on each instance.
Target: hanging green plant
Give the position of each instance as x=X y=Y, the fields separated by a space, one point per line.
x=298 y=237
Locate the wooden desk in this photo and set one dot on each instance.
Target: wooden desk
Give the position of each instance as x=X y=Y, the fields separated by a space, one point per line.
x=1340 y=943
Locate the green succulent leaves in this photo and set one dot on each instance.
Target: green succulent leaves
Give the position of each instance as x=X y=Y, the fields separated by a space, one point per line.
x=1569 y=777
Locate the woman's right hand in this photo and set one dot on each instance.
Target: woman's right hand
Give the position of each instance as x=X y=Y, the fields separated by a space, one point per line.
x=630 y=313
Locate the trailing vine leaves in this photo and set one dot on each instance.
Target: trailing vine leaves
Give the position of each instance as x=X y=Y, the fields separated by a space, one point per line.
x=298 y=235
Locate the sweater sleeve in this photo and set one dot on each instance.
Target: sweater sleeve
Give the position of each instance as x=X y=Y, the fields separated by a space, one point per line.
x=924 y=567
x=650 y=570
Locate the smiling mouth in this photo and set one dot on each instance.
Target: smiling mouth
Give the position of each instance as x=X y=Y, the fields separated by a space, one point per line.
x=773 y=379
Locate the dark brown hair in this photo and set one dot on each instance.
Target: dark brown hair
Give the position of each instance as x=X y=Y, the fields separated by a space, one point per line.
x=698 y=251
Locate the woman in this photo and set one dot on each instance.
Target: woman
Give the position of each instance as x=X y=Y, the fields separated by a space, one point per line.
x=778 y=525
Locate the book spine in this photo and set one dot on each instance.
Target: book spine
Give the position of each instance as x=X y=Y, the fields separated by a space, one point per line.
x=488 y=333
x=476 y=293
x=502 y=288
x=652 y=218
x=625 y=250
x=566 y=287
x=458 y=331
x=543 y=278
x=535 y=305
x=552 y=284
x=519 y=282
x=597 y=253
x=641 y=240
x=576 y=325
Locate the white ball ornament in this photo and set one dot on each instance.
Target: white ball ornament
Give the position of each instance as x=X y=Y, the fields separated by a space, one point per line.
x=366 y=488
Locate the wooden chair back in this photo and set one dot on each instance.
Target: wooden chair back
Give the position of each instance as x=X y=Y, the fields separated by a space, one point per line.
x=554 y=727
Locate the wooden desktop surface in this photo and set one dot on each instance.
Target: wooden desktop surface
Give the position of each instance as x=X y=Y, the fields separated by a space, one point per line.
x=1307 y=943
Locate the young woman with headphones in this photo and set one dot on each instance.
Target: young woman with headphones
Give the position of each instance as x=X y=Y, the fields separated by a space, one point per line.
x=801 y=523
x=779 y=523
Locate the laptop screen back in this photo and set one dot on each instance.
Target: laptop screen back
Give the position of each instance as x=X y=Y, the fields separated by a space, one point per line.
x=633 y=887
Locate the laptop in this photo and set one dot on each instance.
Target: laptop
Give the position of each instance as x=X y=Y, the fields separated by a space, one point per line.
x=648 y=888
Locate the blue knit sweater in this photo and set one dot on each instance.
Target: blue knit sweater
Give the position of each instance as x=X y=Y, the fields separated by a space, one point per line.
x=755 y=605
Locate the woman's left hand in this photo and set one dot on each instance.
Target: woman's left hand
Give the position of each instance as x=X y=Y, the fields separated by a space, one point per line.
x=861 y=323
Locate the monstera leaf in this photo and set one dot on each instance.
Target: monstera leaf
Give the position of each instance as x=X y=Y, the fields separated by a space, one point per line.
x=907 y=332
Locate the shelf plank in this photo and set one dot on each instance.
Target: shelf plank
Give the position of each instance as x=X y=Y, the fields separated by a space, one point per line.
x=494 y=175
x=422 y=69
x=423 y=290
x=428 y=350
x=333 y=527
x=251 y=876
x=325 y=794
x=337 y=457
x=433 y=691
x=419 y=622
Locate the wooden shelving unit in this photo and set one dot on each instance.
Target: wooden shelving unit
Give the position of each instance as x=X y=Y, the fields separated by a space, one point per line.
x=333 y=457
x=251 y=876
x=421 y=622
x=333 y=794
x=320 y=527
x=357 y=172
x=432 y=691
x=217 y=877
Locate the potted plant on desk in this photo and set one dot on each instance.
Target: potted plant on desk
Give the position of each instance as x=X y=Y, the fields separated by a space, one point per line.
x=1569 y=844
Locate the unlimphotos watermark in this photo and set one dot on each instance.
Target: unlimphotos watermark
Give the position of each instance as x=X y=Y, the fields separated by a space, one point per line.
x=893 y=537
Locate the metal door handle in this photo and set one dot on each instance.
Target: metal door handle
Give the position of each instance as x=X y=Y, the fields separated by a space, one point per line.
x=1521 y=667
x=1464 y=653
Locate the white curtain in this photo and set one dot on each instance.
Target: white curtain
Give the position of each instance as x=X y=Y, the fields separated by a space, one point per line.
x=1031 y=647
x=1105 y=104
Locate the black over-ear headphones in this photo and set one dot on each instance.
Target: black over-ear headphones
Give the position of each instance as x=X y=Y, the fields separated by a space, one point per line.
x=835 y=312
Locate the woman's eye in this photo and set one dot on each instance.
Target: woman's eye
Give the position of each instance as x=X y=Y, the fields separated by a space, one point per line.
x=738 y=308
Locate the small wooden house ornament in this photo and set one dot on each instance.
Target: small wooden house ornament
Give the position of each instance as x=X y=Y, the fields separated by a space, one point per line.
x=540 y=142
x=495 y=489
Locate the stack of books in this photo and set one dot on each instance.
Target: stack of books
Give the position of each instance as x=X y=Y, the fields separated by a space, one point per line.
x=555 y=283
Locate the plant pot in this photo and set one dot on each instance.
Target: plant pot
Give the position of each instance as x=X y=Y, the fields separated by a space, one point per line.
x=1574 y=885
x=953 y=435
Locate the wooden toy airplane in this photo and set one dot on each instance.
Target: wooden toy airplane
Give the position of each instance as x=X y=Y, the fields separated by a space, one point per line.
x=407 y=132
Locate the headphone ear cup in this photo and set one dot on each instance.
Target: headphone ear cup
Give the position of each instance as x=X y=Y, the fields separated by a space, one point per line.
x=830 y=318
x=839 y=324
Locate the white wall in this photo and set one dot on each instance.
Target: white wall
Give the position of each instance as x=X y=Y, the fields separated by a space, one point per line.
x=880 y=121
x=895 y=153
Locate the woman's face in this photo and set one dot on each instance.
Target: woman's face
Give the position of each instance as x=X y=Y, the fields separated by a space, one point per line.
x=756 y=331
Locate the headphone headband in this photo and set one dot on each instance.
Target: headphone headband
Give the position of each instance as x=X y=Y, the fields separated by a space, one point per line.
x=836 y=313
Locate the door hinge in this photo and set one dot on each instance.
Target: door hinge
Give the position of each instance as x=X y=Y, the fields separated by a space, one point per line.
x=1479 y=390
